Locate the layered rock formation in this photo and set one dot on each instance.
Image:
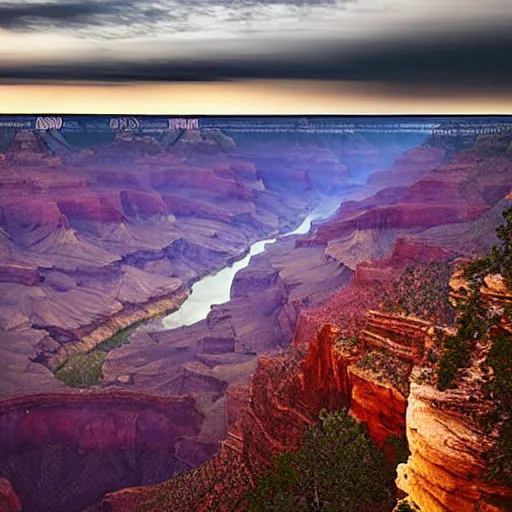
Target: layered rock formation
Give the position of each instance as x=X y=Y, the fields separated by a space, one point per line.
x=446 y=469
x=285 y=398
x=99 y=239
x=449 y=466
x=62 y=452
x=447 y=203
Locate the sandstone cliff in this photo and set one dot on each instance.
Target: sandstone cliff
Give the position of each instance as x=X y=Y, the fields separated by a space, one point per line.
x=446 y=469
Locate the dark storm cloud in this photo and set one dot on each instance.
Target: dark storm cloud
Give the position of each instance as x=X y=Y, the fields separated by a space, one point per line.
x=473 y=61
x=33 y=15
x=63 y=14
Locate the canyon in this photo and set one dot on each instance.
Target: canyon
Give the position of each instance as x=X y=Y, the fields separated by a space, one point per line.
x=98 y=240
x=351 y=351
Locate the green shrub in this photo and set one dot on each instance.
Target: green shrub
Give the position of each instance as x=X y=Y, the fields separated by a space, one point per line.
x=422 y=291
x=500 y=390
x=476 y=322
x=473 y=316
x=119 y=337
x=82 y=370
x=337 y=468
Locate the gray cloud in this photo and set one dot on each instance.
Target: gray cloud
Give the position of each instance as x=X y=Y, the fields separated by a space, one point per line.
x=33 y=15
x=67 y=14
x=481 y=60
x=244 y=47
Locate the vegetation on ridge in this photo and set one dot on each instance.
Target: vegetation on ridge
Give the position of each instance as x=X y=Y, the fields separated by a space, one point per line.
x=81 y=370
x=422 y=291
x=474 y=318
x=479 y=323
x=84 y=370
x=337 y=468
x=387 y=368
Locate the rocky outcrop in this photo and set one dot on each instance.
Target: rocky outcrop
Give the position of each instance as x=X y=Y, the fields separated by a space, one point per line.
x=22 y=214
x=180 y=206
x=136 y=203
x=21 y=274
x=377 y=404
x=325 y=377
x=403 y=337
x=408 y=168
x=9 y=501
x=199 y=178
x=45 y=418
x=446 y=469
x=495 y=289
x=59 y=451
x=408 y=250
x=403 y=216
x=91 y=208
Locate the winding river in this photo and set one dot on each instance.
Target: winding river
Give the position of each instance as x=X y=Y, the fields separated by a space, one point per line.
x=215 y=288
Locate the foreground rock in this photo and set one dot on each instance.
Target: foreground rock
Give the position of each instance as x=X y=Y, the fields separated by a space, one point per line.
x=446 y=469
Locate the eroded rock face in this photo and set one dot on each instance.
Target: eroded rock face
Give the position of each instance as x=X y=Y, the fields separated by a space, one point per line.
x=404 y=216
x=409 y=167
x=446 y=469
x=62 y=452
x=9 y=501
x=380 y=405
x=91 y=208
x=21 y=274
x=283 y=401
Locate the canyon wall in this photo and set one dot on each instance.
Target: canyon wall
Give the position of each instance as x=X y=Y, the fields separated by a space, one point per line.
x=446 y=469
x=92 y=241
x=81 y=445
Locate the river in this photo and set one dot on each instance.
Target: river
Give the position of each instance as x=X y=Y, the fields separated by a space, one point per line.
x=215 y=288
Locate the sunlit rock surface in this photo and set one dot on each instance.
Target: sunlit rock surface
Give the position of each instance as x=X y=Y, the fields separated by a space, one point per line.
x=446 y=469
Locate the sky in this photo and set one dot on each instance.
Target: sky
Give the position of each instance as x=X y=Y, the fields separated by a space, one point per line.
x=359 y=54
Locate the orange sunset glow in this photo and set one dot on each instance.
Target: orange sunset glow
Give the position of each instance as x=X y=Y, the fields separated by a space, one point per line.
x=248 y=97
